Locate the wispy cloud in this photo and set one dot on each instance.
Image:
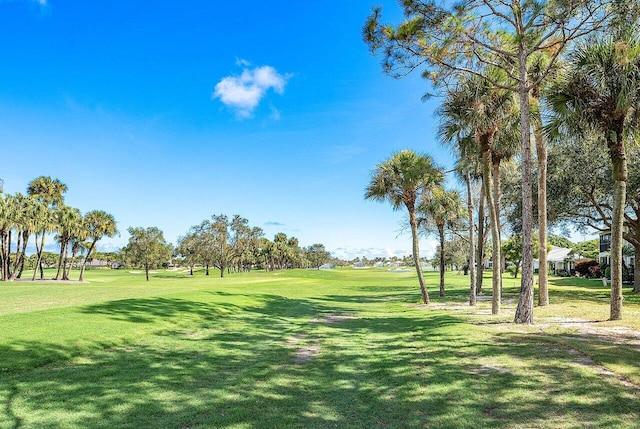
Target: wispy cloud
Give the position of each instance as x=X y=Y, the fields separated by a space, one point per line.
x=344 y=153
x=273 y=223
x=243 y=93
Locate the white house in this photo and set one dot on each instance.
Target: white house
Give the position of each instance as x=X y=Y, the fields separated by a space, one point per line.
x=559 y=259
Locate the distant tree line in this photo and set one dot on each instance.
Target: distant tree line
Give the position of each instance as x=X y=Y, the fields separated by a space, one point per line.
x=232 y=245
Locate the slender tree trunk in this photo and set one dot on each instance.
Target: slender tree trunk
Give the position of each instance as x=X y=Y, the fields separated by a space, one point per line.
x=619 y=163
x=543 y=266
x=413 y=222
x=20 y=253
x=9 y=242
x=495 y=225
x=61 y=259
x=67 y=274
x=497 y=197
x=3 y=255
x=86 y=258
x=191 y=270
x=472 y=259
x=480 y=251
x=146 y=271
x=23 y=253
x=524 y=312
x=16 y=261
x=636 y=270
x=38 y=256
x=441 y=234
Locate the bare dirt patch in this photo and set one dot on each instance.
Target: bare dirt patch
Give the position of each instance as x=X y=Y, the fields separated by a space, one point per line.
x=333 y=318
x=306 y=349
x=487 y=370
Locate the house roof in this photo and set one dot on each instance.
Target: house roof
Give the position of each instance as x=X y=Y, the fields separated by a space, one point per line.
x=560 y=254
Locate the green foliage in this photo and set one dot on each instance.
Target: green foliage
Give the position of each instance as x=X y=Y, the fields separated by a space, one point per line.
x=403 y=178
x=317 y=255
x=588 y=249
x=512 y=248
x=147 y=248
x=558 y=241
x=607 y=272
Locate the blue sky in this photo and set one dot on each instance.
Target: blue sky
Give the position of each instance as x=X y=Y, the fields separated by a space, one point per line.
x=164 y=113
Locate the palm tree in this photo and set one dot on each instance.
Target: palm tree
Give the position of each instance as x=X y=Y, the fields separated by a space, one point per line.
x=48 y=192
x=47 y=189
x=7 y=210
x=43 y=224
x=99 y=224
x=24 y=224
x=442 y=209
x=599 y=92
x=475 y=110
x=402 y=180
x=541 y=74
x=69 y=225
x=469 y=171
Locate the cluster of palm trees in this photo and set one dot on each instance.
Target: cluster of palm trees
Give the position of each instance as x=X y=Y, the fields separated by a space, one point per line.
x=42 y=212
x=585 y=85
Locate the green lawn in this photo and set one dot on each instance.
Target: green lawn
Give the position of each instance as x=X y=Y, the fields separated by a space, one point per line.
x=305 y=348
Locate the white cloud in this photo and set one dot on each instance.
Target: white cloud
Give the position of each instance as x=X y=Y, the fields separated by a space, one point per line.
x=243 y=93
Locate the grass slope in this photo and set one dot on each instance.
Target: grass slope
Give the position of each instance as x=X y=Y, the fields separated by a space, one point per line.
x=344 y=348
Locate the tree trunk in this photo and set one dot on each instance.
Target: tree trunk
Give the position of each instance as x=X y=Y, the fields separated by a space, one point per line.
x=636 y=270
x=20 y=253
x=61 y=259
x=524 y=312
x=413 y=222
x=23 y=253
x=497 y=196
x=495 y=224
x=16 y=262
x=472 y=259
x=74 y=253
x=38 y=256
x=480 y=252
x=441 y=234
x=146 y=271
x=86 y=258
x=619 y=163
x=3 y=255
x=543 y=266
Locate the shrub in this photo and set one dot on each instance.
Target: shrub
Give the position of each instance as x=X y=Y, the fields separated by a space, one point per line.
x=607 y=273
x=594 y=272
x=583 y=267
x=563 y=273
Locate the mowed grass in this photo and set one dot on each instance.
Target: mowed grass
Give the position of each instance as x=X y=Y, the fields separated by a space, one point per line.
x=305 y=348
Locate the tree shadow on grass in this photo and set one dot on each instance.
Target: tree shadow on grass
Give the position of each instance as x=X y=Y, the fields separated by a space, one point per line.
x=149 y=310
x=408 y=370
